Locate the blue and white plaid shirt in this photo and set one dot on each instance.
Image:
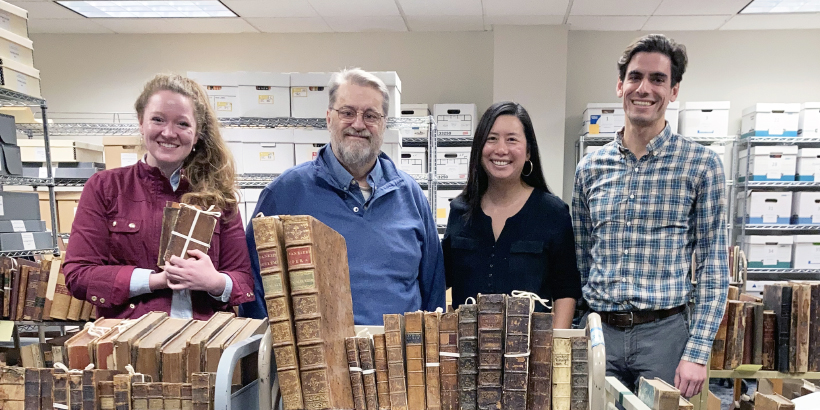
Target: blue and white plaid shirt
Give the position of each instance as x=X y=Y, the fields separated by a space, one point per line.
x=637 y=223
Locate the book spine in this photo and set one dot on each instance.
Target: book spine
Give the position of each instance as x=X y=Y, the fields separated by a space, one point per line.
x=62 y=298
x=156 y=401
x=46 y=385
x=394 y=345
x=186 y=402
x=382 y=377
x=371 y=396
x=580 y=373
x=75 y=309
x=22 y=284
x=30 y=302
x=172 y=396
x=59 y=394
x=757 y=355
x=432 y=360
x=85 y=313
x=414 y=350
x=200 y=391
x=32 y=389
x=89 y=390
x=75 y=391
x=490 y=350
x=814 y=329
x=561 y=373
x=769 y=339
x=539 y=388
x=355 y=369
x=734 y=335
x=803 y=322
x=448 y=337
x=122 y=392
x=106 y=389
x=719 y=345
x=468 y=356
x=516 y=353
x=139 y=396
x=40 y=297
x=795 y=325
x=6 y=272
x=784 y=330
x=748 y=333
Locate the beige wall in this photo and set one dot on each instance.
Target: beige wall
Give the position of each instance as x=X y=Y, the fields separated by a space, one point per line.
x=743 y=67
x=104 y=72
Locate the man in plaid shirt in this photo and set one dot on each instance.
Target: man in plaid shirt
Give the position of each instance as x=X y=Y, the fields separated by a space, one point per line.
x=642 y=205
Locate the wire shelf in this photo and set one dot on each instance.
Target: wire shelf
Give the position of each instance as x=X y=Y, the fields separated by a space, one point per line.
x=780 y=184
x=10 y=97
x=602 y=139
x=773 y=227
x=786 y=140
x=255 y=180
x=20 y=254
x=70 y=181
x=451 y=185
x=79 y=128
x=37 y=323
x=782 y=274
x=18 y=180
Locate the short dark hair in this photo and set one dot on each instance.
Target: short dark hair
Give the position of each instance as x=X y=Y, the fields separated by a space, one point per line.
x=656 y=43
x=477 y=177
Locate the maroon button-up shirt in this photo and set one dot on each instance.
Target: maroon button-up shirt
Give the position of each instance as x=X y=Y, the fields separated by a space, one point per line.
x=117 y=228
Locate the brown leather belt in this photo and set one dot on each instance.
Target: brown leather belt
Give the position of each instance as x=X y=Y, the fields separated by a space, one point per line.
x=638 y=317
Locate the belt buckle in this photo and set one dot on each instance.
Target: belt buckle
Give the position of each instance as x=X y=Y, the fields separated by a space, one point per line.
x=631 y=319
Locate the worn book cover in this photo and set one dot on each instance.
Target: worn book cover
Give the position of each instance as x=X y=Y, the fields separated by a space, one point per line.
x=322 y=310
x=75 y=391
x=371 y=397
x=20 y=285
x=7 y=268
x=804 y=317
x=106 y=393
x=432 y=361
x=735 y=331
x=75 y=309
x=382 y=376
x=169 y=219
x=778 y=298
x=490 y=350
x=61 y=301
x=814 y=329
x=200 y=391
x=772 y=402
x=516 y=352
x=122 y=392
x=215 y=347
x=468 y=356
x=127 y=340
x=172 y=396
x=156 y=400
x=757 y=352
x=193 y=229
x=46 y=385
x=77 y=346
x=658 y=395
x=769 y=340
x=173 y=354
x=85 y=313
x=91 y=380
x=579 y=398
x=269 y=235
x=394 y=345
x=102 y=348
x=186 y=399
x=355 y=369
x=139 y=396
x=32 y=288
x=414 y=351
x=146 y=355
x=561 y=373
x=448 y=339
x=59 y=392
x=748 y=333
x=32 y=389
x=195 y=360
x=40 y=297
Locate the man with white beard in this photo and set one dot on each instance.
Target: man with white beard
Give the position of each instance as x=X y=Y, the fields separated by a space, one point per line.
x=393 y=248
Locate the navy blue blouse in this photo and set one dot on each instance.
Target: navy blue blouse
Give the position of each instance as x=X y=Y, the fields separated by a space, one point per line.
x=535 y=251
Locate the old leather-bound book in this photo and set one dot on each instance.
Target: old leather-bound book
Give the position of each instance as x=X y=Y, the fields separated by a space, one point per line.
x=46 y=385
x=173 y=354
x=748 y=333
x=804 y=318
x=322 y=310
x=657 y=394
x=77 y=346
x=468 y=356
x=75 y=309
x=192 y=230
x=394 y=345
x=32 y=389
x=122 y=392
x=268 y=232
x=516 y=352
x=814 y=329
x=40 y=297
x=59 y=389
x=146 y=356
x=103 y=347
x=382 y=376
x=448 y=338
x=490 y=350
x=561 y=373
x=200 y=391
x=85 y=314
x=432 y=362
x=414 y=351
x=156 y=401
x=757 y=330
x=16 y=273
x=215 y=347
x=91 y=380
x=735 y=330
x=106 y=389
x=769 y=339
x=371 y=396
x=579 y=399
x=7 y=265
x=355 y=369
x=62 y=298
x=772 y=402
x=169 y=219
x=51 y=287
x=139 y=396
x=126 y=341
x=25 y=270
x=185 y=394
x=195 y=360
x=778 y=298
x=172 y=396
x=75 y=391
x=32 y=288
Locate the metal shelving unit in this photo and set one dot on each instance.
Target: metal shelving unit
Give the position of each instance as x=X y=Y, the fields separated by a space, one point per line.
x=782 y=274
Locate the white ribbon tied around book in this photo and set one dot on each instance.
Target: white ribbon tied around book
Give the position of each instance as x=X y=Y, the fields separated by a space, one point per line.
x=65 y=369
x=96 y=331
x=533 y=298
x=189 y=238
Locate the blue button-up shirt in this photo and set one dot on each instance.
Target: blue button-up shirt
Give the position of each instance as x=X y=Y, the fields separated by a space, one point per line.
x=637 y=222
x=393 y=249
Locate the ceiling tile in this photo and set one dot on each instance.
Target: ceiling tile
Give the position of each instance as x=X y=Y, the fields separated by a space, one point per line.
x=271 y=8
x=290 y=25
x=445 y=23
x=441 y=8
x=355 y=8
x=78 y=26
x=365 y=24
x=529 y=20
x=700 y=7
x=773 y=22
x=46 y=10
x=525 y=7
x=177 y=25
x=614 y=7
x=606 y=23
x=683 y=23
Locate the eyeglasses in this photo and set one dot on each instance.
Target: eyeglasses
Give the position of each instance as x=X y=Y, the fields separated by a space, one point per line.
x=369 y=117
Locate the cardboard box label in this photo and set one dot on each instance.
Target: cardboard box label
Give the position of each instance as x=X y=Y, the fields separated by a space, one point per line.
x=777 y=124
x=267 y=156
x=224 y=106
x=28 y=241
x=128 y=158
x=298 y=92
x=18 y=226
x=265 y=99
x=43 y=173
x=770 y=255
x=22 y=82
x=5 y=20
x=14 y=51
x=775 y=169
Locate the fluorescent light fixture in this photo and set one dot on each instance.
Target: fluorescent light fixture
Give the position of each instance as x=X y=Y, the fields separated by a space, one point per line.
x=148 y=9
x=781 y=6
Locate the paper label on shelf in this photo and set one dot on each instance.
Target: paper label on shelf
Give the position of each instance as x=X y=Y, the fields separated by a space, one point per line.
x=128 y=158
x=14 y=51
x=298 y=92
x=22 y=83
x=5 y=20
x=1 y=206
x=18 y=226
x=265 y=99
x=40 y=154
x=769 y=218
x=28 y=241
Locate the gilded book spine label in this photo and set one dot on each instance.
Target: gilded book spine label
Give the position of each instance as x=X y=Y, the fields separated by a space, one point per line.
x=315 y=389
x=285 y=356
x=291 y=388
x=302 y=280
x=269 y=260
x=306 y=306
x=297 y=231
x=277 y=309
x=281 y=332
x=272 y=284
x=312 y=356
x=308 y=331
x=300 y=257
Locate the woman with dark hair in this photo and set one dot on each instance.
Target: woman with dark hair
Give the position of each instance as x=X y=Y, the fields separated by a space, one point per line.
x=507 y=231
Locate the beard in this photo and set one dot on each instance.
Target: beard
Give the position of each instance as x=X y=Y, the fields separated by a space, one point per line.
x=354 y=153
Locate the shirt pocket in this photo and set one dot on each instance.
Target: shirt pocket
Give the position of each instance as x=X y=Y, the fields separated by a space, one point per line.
x=527 y=264
x=668 y=210
x=126 y=244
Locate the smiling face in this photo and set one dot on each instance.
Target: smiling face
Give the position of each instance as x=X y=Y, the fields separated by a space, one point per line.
x=646 y=89
x=356 y=144
x=505 y=151
x=169 y=128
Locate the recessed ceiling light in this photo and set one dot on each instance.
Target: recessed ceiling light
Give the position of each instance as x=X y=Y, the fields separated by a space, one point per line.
x=781 y=6
x=148 y=9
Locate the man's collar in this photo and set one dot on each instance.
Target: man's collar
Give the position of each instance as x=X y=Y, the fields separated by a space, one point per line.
x=654 y=144
x=342 y=176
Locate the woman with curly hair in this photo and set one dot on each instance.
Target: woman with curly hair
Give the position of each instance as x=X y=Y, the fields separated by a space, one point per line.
x=111 y=260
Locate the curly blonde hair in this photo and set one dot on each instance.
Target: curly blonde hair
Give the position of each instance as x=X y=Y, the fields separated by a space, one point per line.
x=210 y=166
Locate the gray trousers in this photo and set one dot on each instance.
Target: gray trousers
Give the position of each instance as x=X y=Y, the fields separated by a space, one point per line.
x=648 y=350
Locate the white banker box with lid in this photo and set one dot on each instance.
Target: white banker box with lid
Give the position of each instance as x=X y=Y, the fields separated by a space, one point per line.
x=770 y=120
x=806 y=252
x=393 y=83
x=806 y=208
x=455 y=120
x=768 y=207
x=704 y=119
x=222 y=89
x=724 y=151
x=263 y=150
x=443 y=198
x=414 y=161
x=309 y=95
x=415 y=131
x=809 y=120
x=769 y=163
x=453 y=163
x=13 y=19
x=263 y=94
x=606 y=119
x=308 y=142
x=808 y=164
x=774 y=252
